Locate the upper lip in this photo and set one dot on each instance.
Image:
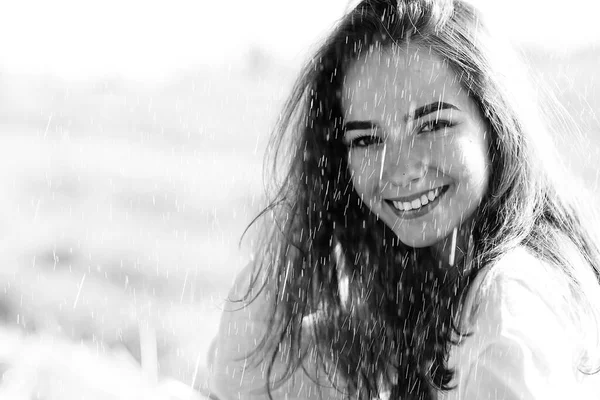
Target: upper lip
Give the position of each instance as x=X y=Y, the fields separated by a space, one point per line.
x=414 y=196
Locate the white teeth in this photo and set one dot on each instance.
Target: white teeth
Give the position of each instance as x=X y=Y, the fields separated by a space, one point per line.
x=418 y=202
x=431 y=195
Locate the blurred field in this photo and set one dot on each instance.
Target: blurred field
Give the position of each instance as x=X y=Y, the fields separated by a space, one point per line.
x=123 y=203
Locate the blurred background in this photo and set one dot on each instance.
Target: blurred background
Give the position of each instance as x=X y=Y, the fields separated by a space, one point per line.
x=132 y=135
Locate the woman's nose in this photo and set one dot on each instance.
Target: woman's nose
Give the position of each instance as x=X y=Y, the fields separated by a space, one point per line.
x=402 y=164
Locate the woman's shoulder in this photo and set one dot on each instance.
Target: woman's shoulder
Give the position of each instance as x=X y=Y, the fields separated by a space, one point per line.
x=239 y=362
x=242 y=326
x=526 y=299
x=521 y=324
x=245 y=291
x=246 y=311
x=518 y=287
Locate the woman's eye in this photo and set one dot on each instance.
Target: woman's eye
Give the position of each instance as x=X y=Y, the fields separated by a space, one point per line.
x=435 y=125
x=365 y=141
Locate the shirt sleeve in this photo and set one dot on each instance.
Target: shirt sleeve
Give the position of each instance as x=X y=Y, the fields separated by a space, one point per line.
x=523 y=346
x=234 y=376
x=509 y=369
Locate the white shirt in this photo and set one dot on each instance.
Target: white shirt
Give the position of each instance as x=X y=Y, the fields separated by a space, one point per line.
x=525 y=343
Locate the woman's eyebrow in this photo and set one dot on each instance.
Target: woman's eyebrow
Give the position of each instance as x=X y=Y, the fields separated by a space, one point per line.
x=359 y=125
x=418 y=113
x=428 y=109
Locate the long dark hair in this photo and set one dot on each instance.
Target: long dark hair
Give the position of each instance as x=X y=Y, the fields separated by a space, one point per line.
x=383 y=314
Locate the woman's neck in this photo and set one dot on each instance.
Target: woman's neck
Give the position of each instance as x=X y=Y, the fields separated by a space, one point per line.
x=453 y=248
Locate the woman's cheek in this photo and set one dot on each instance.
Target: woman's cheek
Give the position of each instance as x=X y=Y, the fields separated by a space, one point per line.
x=357 y=181
x=363 y=178
x=474 y=159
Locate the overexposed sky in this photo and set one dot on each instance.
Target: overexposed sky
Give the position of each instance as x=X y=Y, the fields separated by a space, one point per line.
x=148 y=38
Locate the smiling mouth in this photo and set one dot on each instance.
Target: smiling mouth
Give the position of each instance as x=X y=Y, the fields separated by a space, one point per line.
x=415 y=206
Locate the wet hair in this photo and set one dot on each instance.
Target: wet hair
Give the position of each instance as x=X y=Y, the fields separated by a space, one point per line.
x=383 y=314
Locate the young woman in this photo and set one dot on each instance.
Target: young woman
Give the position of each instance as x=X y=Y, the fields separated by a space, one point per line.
x=422 y=245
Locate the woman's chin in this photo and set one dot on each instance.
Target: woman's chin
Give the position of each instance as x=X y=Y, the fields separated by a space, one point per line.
x=417 y=242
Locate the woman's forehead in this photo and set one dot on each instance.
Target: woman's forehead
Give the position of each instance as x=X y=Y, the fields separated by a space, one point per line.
x=402 y=75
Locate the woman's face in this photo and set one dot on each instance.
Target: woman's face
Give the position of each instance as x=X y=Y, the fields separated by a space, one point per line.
x=417 y=143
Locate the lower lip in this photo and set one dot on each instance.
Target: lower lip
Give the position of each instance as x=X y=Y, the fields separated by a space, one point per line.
x=412 y=214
